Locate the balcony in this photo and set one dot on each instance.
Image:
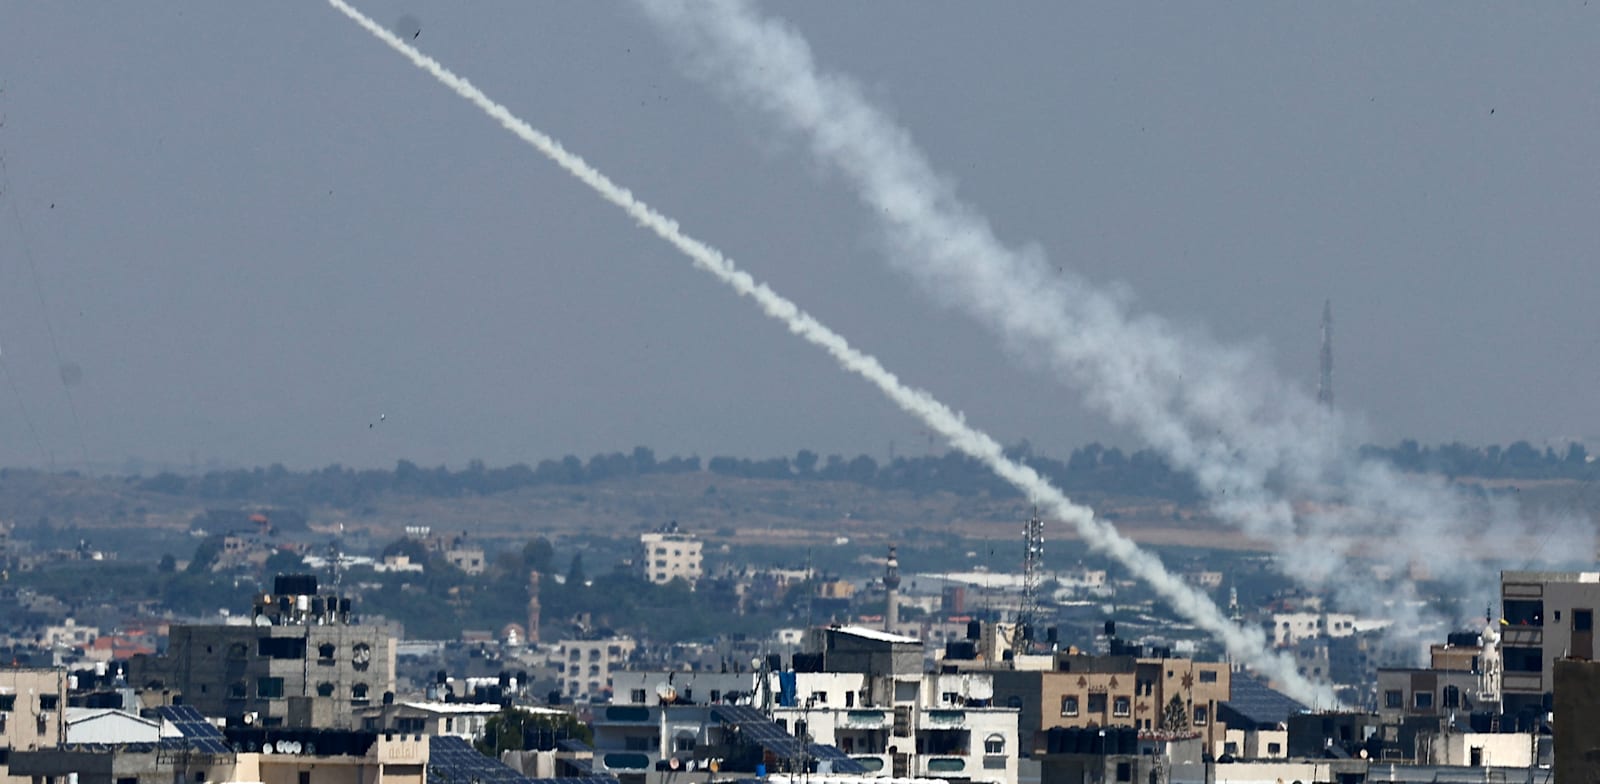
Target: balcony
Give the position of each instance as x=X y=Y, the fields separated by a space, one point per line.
x=945 y=719
x=865 y=720
x=934 y=766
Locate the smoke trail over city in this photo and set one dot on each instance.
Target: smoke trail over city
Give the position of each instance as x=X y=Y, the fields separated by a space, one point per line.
x=1248 y=645
x=1269 y=459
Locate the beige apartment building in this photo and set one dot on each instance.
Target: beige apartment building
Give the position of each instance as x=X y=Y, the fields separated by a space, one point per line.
x=669 y=554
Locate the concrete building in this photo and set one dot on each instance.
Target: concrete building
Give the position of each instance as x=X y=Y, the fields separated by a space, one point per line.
x=584 y=667
x=1547 y=616
x=33 y=704
x=1289 y=628
x=668 y=554
x=859 y=690
x=302 y=662
x=1577 y=713
x=1083 y=691
x=468 y=559
x=465 y=720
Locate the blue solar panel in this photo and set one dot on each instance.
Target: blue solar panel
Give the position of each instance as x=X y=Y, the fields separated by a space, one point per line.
x=198 y=734
x=452 y=759
x=1258 y=704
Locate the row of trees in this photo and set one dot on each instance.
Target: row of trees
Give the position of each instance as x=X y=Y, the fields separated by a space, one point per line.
x=1093 y=467
x=1090 y=468
x=1520 y=460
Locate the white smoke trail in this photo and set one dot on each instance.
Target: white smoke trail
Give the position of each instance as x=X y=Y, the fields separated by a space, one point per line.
x=1249 y=645
x=1270 y=460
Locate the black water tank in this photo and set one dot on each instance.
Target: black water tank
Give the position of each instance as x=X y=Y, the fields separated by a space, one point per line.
x=1052 y=635
x=1111 y=628
x=974 y=630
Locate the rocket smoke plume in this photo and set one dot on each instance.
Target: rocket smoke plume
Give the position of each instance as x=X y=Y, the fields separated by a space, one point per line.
x=1248 y=645
x=1269 y=459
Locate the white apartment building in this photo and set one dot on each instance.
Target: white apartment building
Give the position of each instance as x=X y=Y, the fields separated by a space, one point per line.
x=668 y=554
x=584 y=667
x=1290 y=628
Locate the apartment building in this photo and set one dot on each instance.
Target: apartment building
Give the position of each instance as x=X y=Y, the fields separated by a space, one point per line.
x=669 y=554
x=1545 y=617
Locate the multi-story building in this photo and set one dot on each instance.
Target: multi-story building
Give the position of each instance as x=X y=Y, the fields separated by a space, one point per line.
x=1083 y=691
x=33 y=702
x=1546 y=617
x=301 y=662
x=584 y=667
x=1289 y=628
x=668 y=554
x=859 y=690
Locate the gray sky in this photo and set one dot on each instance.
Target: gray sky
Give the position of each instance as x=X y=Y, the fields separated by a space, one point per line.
x=268 y=229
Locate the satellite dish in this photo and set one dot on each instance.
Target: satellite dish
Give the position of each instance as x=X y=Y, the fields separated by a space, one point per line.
x=665 y=692
x=674 y=763
x=266 y=748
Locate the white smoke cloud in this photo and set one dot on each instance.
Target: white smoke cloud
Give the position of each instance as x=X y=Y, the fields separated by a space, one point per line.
x=1248 y=645
x=1270 y=459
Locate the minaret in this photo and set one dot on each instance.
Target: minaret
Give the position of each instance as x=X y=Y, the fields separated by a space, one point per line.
x=1325 y=383
x=891 y=587
x=533 y=608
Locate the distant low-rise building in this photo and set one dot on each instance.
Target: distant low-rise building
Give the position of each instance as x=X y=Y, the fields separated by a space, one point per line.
x=670 y=554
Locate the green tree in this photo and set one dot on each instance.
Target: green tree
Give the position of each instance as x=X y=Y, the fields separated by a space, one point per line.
x=283 y=562
x=168 y=564
x=1175 y=718
x=506 y=730
x=205 y=555
x=537 y=555
x=576 y=577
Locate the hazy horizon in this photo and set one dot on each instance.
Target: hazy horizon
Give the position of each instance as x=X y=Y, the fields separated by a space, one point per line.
x=256 y=232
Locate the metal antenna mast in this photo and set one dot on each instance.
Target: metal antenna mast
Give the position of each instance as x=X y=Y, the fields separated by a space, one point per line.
x=1032 y=569
x=1325 y=384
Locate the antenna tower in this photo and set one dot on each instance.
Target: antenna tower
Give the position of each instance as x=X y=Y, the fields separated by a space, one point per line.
x=1032 y=569
x=1325 y=383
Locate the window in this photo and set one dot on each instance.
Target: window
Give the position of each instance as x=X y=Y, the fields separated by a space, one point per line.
x=49 y=701
x=1208 y=676
x=716 y=696
x=1524 y=612
x=304 y=777
x=994 y=744
x=636 y=696
x=684 y=743
x=361 y=656
x=358 y=694
x=411 y=724
x=1097 y=703
x=1523 y=659
x=1231 y=747
x=638 y=743
x=1121 y=706
x=324 y=689
x=1274 y=748
x=1069 y=705
x=1583 y=620
x=269 y=688
x=325 y=651
x=1393 y=699
x=819 y=698
x=1124 y=771
x=8 y=702
x=282 y=647
x=1422 y=700
x=1452 y=697
x=951 y=698
x=236 y=690
x=1202 y=714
